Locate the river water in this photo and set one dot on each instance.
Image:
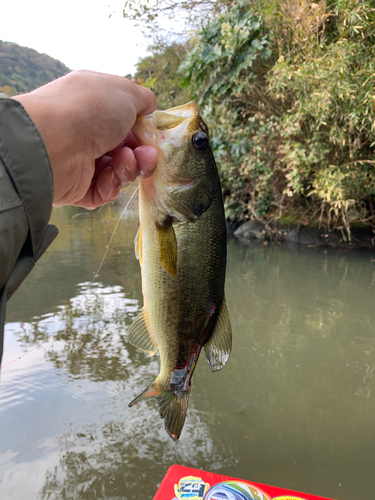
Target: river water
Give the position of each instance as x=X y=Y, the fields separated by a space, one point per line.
x=294 y=407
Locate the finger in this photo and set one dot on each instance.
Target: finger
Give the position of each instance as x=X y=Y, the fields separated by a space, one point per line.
x=146 y=103
x=125 y=166
x=132 y=140
x=101 y=164
x=107 y=187
x=87 y=200
x=147 y=159
x=121 y=145
x=103 y=190
x=129 y=164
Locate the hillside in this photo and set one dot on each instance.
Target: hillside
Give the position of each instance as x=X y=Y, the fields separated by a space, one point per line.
x=23 y=69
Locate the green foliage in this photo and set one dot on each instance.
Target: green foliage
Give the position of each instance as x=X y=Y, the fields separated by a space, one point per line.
x=151 y=15
x=288 y=90
x=158 y=72
x=23 y=69
x=224 y=54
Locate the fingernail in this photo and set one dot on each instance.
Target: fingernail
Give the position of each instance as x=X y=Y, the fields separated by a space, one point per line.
x=114 y=192
x=113 y=195
x=141 y=173
x=114 y=179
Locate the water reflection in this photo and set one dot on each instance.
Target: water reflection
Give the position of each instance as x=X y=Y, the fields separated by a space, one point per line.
x=86 y=341
x=294 y=406
x=121 y=459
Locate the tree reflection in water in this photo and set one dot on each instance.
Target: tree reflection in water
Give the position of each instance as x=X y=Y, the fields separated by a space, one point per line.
x=121 y=459
x=107 y=460
x=87 y=337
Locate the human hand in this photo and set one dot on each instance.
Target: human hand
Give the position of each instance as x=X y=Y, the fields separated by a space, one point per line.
x=85 y=120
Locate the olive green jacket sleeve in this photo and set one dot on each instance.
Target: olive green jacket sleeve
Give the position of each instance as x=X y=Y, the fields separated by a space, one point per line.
x=26 y=193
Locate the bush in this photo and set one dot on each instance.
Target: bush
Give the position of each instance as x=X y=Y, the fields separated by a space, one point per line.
x=288 y=90
x=158 y=72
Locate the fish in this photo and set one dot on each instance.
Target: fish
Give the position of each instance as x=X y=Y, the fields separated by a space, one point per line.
x=181 y=245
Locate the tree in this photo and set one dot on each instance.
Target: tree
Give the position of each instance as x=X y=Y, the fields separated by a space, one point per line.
x=23 y=69
x=193 y=14
x=288 y=89
x=159 y=72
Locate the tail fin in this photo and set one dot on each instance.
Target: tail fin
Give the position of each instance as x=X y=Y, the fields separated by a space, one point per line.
x=172 y=407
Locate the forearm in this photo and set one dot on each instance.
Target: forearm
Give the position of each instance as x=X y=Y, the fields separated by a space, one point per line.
x=26 y=190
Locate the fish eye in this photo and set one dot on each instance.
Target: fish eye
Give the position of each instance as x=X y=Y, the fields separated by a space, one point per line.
x=200 y=141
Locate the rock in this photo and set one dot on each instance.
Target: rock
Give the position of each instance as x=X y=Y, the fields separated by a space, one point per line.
x=251 y=230
x=362 y=237
x=291 y=236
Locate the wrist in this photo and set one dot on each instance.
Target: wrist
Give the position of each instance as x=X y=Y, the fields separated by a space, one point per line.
x=47 y=120
x=52 y=121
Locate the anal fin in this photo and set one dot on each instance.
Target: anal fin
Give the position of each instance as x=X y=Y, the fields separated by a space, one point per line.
x=139 y=335
x=219 y=345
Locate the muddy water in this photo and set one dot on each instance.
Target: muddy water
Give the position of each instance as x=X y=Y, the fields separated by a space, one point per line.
x=294 y=407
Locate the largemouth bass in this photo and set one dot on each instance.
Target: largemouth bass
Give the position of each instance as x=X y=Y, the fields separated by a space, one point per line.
x=181 y=245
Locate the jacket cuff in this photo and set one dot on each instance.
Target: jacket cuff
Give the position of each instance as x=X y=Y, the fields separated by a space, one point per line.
x=34 y=185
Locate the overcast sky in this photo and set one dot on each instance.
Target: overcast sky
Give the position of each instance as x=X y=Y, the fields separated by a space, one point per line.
x=77 y=32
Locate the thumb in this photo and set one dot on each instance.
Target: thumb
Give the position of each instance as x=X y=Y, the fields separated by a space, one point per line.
x=146 y=102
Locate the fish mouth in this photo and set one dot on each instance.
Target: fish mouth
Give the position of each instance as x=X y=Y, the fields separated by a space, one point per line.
x=179 y=123
x=187 y=110
x=173 y=117
x=174 y=125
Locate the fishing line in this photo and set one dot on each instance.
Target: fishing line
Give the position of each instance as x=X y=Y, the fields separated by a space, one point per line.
x=110 y=241
x=92 y=282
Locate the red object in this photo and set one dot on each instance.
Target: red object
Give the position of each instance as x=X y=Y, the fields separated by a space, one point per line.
x=184 y=483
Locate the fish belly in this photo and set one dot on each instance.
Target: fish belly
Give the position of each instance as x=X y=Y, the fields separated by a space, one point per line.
x=178 y=308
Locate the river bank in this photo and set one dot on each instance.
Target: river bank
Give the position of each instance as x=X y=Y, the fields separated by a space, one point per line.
x=308 y=235
x=283 y=232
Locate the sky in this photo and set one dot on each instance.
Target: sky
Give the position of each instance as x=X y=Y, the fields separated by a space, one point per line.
x=79 y=33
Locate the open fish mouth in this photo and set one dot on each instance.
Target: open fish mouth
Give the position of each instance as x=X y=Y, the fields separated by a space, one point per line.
x=172 y=126
x=185 y=110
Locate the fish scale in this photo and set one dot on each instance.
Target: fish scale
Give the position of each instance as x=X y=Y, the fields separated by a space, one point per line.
x=181 y=245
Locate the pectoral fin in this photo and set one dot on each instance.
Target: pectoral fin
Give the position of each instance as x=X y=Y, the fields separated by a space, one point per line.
x=167 y=247
x=139 y=336
x=138 y=245
x=219 y=345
